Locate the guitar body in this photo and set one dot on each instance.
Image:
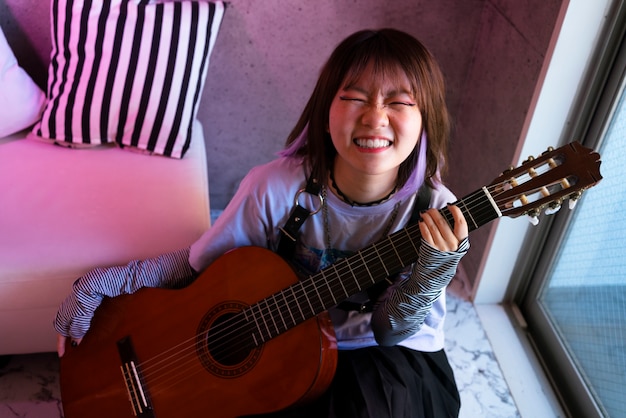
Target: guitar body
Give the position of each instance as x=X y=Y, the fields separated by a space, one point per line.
x=179 y=373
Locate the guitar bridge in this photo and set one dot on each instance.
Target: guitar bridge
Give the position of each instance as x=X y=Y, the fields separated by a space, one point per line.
x=137 y=393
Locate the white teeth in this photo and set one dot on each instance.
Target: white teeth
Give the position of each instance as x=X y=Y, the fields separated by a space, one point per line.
x=373 y=143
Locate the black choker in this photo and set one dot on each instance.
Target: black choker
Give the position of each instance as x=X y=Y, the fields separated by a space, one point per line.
x=352 y=202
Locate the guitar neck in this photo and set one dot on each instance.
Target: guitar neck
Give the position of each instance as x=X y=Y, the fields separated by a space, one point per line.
x=335 y=283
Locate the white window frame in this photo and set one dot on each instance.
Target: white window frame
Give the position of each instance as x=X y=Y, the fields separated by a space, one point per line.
x=579 y=26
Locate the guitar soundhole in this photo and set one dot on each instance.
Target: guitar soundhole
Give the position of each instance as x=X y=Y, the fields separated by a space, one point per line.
x=225 y=347
x=224 y=342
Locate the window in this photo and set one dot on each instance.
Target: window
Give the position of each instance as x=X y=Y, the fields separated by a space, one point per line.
x=575 y=304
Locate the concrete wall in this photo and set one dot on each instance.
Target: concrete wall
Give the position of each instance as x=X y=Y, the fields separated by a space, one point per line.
x=509 y=50
x=268 y=55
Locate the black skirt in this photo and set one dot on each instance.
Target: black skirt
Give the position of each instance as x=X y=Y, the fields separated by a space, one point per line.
x=379 y=382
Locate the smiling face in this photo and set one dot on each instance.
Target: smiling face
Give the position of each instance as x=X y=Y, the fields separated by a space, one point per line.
x=374 y=124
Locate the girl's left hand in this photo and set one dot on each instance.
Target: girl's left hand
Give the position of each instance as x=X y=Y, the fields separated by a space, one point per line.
x=438 y=233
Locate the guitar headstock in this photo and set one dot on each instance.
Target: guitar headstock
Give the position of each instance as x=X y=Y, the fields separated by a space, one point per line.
x=545 y=182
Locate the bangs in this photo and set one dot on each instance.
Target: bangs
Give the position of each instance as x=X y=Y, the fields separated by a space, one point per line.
x=390 y=56
x=383 y=70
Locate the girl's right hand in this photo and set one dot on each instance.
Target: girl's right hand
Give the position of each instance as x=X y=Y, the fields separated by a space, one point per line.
x=75 y=313
x=62 y=341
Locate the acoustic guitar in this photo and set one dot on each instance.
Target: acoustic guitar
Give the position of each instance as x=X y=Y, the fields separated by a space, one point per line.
x=248 y=336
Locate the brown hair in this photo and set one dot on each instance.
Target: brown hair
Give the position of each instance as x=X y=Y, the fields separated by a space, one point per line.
x=389 y=50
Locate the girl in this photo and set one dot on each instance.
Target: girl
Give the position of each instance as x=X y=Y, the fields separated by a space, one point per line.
x=373 y=138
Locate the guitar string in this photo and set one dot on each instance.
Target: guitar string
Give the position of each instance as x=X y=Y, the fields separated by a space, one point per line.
x=197 y=370
x=192 y=369
x=493 y=187
x=279 y=306
x=305 y=290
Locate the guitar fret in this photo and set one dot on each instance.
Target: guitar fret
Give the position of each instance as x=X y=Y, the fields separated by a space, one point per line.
x=269 y=333
x=395 y=251
x=329 y=288
x=406 y=231
x=467 y=214
x=278 y=309
x=483 y=209
x=302 y=317
x=250 y=325
x=308 y=300
x=447 y=215
x=265 y=310
x=256 y=323
x=293 y=320
x=374 y=247
x=345 y=292
x=246 y=317
x=404 y=250
x=367 y=269
x=376 y=266
x=319 y=297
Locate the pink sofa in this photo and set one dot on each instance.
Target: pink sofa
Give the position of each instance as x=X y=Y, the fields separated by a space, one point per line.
x=64 y=211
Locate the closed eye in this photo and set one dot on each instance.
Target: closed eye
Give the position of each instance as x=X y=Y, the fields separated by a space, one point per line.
x=351 y=99
x=402 y=104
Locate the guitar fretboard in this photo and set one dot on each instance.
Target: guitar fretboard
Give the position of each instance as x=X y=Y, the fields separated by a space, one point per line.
x=281 y=311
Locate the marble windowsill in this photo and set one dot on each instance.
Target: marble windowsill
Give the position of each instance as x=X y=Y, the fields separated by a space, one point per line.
x=530 y=388
x=483 y=388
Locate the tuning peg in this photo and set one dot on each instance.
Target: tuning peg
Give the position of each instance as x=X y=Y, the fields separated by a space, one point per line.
x=554 y=207
x=572 y=204
x=552 y=210
x=573 y=199
x=533 y=217
x=510 y=168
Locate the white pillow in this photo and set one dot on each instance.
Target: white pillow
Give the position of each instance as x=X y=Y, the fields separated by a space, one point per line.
x=21 y=100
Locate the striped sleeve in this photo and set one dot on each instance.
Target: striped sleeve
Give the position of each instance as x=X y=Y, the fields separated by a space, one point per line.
x=171 y=270
x=407 y=304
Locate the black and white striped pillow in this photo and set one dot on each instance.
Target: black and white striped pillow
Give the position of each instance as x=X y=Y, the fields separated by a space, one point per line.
x=128 y=71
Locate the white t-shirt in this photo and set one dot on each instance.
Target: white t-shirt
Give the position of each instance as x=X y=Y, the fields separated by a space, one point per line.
x=262 y=205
